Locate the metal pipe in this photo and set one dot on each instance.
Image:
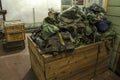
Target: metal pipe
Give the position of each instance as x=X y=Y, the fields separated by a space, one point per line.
x=34 y=17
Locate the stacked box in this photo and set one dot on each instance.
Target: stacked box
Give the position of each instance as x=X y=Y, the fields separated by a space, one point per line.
x=14 y=32
x=11 y=46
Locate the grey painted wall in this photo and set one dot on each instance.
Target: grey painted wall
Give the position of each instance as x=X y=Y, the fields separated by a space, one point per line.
x=23 y=9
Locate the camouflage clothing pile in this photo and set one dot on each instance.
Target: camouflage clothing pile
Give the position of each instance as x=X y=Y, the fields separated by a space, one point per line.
x=51 y=40
x=88 y=24
x=73 y=27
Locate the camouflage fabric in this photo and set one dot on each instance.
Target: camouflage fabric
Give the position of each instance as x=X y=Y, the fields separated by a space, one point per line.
x=48 y=30
x=51 y=21
x=76 y=21
x=49 y=41
x=52 y=18
x=71 y=28
x=96 y=8
x=110 y=34
x=71 y=16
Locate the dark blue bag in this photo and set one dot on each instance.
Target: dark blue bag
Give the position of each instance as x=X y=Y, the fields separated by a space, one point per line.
x=103 y=25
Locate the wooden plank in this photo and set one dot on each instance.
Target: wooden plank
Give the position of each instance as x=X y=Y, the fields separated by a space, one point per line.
x=103 y=66
x=14 y=29
x=83 y=67
x=74 y=67
x=80 y=72
x=36 y=67
x=115 y=20
x=83 y=54
x=50 y=58
x=12 y=37
x=119 y=48
x=116 y=29
x=70 y=70
x=116 y=62
x=103 y=61
x=32 y=47
x=114 y=2
x=14 y=33
x=118 y=65
x=71 y=59
x=11 y=46
x=37 y=62
x=115 y=11
x=88 y=73
x=80 y=60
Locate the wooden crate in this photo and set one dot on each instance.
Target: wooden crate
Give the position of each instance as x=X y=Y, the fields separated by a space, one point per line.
x=14 y=33
x=15 y=28
x=119 y=48
x=118 y=64
x=12 y=37
x=11 y=46
x=116 y=67
x=77 y=65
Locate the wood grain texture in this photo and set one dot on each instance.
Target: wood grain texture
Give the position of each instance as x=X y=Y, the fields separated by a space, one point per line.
x=75 y=65
x=115 y=11
x=114 y=2
x=14 y=33
x=16 y=65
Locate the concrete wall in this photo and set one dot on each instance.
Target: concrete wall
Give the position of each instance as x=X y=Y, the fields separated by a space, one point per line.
x=23 y=9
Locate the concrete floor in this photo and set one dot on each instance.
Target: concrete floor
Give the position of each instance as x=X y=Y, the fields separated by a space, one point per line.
x=16 y=65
